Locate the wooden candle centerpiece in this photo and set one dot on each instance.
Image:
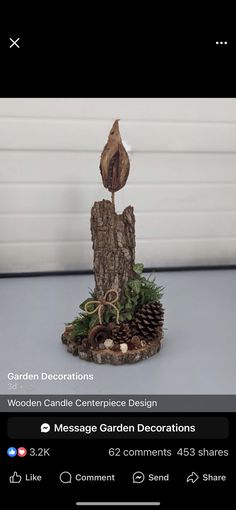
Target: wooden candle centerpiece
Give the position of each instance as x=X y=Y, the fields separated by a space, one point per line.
x=122 y=320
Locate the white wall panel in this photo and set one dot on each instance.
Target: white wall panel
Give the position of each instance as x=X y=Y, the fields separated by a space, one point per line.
x=78 y=255
x=83 y=167
x=182 y=182
x=71 y=227
x=87 y=135
x=192 y=109
x=146 y=198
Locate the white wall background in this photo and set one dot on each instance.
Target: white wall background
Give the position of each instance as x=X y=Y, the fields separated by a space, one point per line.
x=182 y=182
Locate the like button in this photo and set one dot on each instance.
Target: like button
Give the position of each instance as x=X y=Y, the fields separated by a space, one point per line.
x=15 y=478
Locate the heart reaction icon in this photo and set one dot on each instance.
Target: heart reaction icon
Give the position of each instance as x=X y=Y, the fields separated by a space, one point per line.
x=21 y=452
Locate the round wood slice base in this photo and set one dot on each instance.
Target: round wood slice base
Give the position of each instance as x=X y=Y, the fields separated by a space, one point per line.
x=114 y=357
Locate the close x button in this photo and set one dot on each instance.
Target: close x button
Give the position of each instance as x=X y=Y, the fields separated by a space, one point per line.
x=14 y=42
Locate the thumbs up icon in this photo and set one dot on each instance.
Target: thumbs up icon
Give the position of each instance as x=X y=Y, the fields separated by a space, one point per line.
x=15 y=478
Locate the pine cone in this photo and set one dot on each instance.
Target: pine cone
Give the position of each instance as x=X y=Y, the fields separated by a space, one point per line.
x=122 y=333
x=148 y=320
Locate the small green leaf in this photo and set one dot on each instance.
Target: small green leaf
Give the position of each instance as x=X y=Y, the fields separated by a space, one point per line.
x=92 y=293
x=94 y=320
x=91 y=307
x=127 y=292
x=135 y=285
x=108 y=314
x=129 y=305
x=138 y=268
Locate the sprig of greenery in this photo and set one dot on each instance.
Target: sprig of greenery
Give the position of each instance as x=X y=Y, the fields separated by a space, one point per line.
x=139 y=290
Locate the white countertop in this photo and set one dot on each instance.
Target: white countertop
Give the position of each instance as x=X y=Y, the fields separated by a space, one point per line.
x=198 y=354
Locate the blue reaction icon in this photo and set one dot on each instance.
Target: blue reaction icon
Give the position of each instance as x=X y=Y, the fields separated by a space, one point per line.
x=12 y=452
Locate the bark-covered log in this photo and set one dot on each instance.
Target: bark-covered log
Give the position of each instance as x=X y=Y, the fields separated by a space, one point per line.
x=113 y=237
x=114 y=357
x=119 y=358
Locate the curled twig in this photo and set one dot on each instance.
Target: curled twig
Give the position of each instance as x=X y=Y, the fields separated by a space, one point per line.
x=98 y=334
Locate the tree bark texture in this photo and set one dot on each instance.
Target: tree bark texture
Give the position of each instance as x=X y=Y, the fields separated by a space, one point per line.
x=111 y=357
x=113 y=237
